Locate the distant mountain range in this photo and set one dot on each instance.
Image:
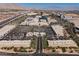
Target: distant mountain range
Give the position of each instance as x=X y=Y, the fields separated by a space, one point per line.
x=10 y=6
x=16 y=6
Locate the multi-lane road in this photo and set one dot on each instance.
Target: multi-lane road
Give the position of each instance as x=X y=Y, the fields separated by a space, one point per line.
x=3 y=23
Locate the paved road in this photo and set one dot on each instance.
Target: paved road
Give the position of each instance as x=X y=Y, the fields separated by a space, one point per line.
x=40 y=44
x=9 y=20
x=36 y=54
x=37 y=48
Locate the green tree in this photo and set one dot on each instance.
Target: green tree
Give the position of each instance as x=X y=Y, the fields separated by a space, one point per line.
x=45 y=42
x=33 y=42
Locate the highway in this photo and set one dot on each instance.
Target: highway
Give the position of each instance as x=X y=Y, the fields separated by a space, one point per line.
x=9 y=20
x=38 y=54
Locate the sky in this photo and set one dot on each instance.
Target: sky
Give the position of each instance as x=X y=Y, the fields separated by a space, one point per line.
x=50 y=5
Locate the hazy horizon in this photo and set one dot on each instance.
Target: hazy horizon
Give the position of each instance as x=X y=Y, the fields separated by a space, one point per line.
x=50 y=5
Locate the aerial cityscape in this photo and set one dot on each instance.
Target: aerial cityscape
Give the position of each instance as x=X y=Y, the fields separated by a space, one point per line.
x=39 y=29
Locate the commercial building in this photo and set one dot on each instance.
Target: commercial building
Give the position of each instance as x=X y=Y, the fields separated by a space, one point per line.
x=15 y=43
x=62 y=43
x=6 y=29
x=58 y=29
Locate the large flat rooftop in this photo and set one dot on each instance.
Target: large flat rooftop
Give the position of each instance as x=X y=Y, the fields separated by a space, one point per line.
x=62 y=43
x=15 y=43
x=58 y=29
